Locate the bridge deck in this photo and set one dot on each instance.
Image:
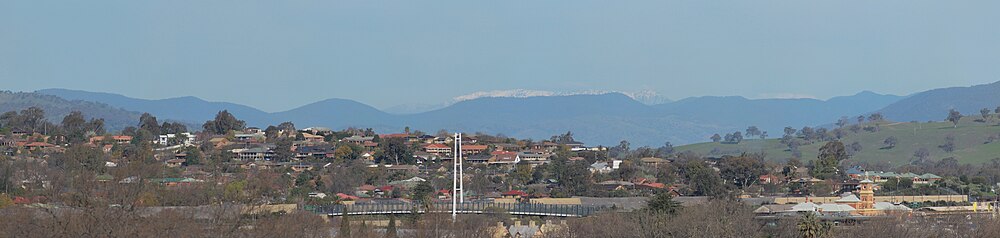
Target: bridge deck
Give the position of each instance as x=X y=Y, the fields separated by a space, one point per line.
x=525 y=209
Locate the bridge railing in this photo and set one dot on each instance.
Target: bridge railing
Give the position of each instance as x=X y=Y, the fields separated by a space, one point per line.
x=465 y=208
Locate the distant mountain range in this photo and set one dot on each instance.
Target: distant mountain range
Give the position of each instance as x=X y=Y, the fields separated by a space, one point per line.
x=596 y=118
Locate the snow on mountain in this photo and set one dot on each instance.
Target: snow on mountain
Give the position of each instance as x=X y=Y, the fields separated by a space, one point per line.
x=648 y=97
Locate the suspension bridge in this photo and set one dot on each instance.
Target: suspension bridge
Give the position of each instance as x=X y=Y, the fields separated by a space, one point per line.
x=521 y=209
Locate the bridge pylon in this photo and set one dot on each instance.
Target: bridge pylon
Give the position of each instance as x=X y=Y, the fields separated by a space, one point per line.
x=457 y=188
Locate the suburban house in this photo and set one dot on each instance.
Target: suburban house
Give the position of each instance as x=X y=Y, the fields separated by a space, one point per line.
x=253 y=154
x=442 y=140
x=425 y=156
x=252 y=138
x=38 y=146
x=317 y=130
x=473 y=149
x=507 y=147
x=165 y=138
x=313 y=151
x=358 y=139
x=369 y=145
x=478 y=159
x=504 y=158
x=117 y=139
x=437 y=149
x=253 y=130
x=219 y=142
x=534 y=157
x=605 y=167
x=173 y=163
x=312 y=137
x=769 y=179
x=653 y=161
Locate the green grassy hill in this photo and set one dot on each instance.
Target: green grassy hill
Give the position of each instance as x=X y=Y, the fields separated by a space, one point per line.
x=969 y=143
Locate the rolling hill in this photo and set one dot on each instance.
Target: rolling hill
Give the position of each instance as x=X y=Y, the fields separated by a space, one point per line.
x=773 y=115
x=970 y=146
x=334 y=113
x=56 y=108
x=933 y=105
x=191 y=110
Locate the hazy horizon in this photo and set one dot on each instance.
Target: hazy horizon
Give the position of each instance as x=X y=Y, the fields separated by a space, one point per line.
x=459 y=98
x=255 y=53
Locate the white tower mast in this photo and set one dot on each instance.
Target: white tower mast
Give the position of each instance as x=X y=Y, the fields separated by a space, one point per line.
x=456 y=177
x=461 y=172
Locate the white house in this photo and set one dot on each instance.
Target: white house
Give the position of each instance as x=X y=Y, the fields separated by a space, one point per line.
x=165 y=139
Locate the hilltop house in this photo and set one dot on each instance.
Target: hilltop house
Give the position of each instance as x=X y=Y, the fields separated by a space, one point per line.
x=313 y=151
x=506 y=147
x=478 y=159
x=534 y=157
x=173 y=163
x=605 y=167
x=653 y=161
x=253 y=154
x=473 y=149
x=360 y=140
x=251 y=138
x=165 y=138
x=312 y=137
x=504 y=158
x=437 y=149
x=117 y=139
x=219 y=142
x=38 y=146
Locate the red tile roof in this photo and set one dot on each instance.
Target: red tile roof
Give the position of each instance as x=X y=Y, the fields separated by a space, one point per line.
x=474 y=147
x=437 y=146
x=346 y=197
x=654 y=185
x=38 y=144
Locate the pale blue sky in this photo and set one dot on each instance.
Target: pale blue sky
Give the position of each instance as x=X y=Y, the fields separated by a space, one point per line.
x=276 y=55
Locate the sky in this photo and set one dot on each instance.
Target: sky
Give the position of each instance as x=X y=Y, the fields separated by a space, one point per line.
x=277 y=55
